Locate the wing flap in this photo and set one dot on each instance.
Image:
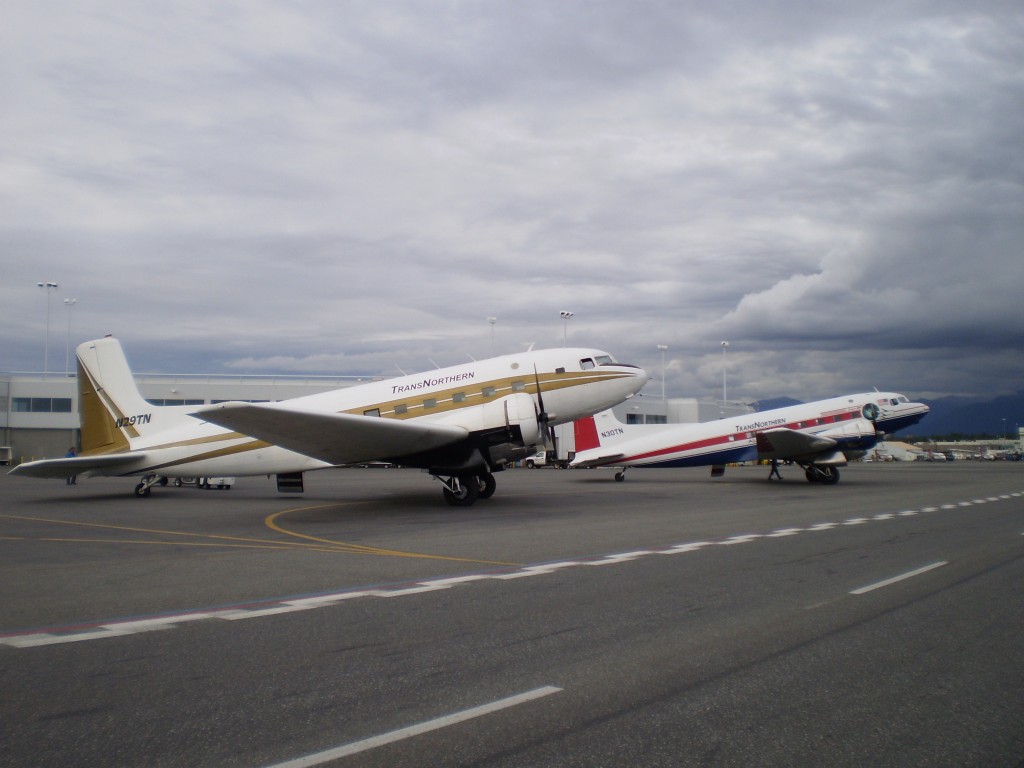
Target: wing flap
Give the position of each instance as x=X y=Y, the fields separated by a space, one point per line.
x=337 y=438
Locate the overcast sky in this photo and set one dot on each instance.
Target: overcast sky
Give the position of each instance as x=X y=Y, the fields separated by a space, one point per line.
x=355 y=187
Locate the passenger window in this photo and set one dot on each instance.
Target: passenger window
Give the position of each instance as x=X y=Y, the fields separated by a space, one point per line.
x=400 y=409
x=559 y=370
x=372 y=412
x=430 y=402
x=459 y=397
x=586 y=363
x=518 y=386
x=488 y=391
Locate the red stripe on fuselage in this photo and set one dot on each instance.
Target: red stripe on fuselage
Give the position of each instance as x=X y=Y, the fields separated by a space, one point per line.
x=738 y=437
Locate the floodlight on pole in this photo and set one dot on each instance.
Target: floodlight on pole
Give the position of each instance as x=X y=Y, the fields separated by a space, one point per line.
x=663 y=349
x=49 y=287
x=492 y=321
x=69 y=303
x=565 y=314
x=725 y=346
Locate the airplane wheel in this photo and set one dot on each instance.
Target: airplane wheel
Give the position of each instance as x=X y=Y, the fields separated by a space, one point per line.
x=811 y=475
x=467 y=493
x=142 y=490
x=177 y=482
x=831 y=476
x=486 y=485
x=620 y=476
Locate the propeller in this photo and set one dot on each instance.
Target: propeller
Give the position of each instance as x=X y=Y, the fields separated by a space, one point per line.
x=543 y=417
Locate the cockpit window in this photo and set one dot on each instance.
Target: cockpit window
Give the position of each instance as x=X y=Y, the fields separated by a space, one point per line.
x=604 y=360
x=586 y=363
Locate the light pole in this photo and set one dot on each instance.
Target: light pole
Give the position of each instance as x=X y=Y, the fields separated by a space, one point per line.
x=492 y=321
x=663 y=349
x=69 y=303
x=725 y=346
x=49 y=288
x=566 y=314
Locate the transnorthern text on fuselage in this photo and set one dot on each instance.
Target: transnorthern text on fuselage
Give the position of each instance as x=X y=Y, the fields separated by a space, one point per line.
x=760 y=425
x=430 y=383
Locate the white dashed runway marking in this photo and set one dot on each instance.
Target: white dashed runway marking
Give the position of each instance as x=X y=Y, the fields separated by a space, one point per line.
x=104 y=629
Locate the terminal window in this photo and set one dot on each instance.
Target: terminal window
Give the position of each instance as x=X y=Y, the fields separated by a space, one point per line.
x=41 y=405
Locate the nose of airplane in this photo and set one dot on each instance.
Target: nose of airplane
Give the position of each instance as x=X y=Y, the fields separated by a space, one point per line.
x=638 y=377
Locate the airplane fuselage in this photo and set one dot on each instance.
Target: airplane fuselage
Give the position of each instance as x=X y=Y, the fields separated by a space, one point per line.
x=854 y=422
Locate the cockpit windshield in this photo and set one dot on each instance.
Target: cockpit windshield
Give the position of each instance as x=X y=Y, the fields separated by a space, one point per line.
x=590 y=362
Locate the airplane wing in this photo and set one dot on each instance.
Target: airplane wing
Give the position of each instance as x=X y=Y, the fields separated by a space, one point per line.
x=337 y=438
x=783 y=443
x=77 y=465
x=596 y=461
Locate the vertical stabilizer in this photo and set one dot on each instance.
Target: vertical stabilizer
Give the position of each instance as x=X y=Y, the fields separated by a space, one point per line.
x=585 y=434
x=113 y=412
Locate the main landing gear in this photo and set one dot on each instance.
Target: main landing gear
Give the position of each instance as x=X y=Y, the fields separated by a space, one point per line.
x=464 y=490
x=826 y=474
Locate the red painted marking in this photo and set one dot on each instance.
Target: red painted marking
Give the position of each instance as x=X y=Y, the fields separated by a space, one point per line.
x=585 y=431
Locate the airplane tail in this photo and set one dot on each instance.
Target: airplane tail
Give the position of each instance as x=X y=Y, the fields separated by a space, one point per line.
x=113 y=412
x=600 y=430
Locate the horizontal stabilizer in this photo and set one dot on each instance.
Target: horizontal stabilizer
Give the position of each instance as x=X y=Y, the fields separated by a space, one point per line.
x=602 y=460
x=337 y=438
x=75 y=465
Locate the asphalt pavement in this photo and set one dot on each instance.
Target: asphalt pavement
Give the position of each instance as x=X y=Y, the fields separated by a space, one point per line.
x=670 y=620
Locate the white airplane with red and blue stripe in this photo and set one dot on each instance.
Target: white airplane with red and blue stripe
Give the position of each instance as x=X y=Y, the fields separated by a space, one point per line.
x=820 y=437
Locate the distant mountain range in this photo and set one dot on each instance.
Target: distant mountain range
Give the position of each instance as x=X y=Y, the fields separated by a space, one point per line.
x=952 y=415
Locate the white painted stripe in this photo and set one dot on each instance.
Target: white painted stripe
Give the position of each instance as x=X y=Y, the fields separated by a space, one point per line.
x=742 y=539
x=415 y=730
x=784 y=532
x=410 y=590
x=856 y=521
x=901 y=577
x=679 y=549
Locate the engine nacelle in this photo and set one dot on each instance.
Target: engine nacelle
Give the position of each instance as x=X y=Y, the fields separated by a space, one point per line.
x=516 y=414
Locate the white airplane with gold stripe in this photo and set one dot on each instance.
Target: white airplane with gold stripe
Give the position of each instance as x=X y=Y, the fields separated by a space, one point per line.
x=461 y=424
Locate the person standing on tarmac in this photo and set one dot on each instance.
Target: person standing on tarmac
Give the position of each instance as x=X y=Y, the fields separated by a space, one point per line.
x=71 y=479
